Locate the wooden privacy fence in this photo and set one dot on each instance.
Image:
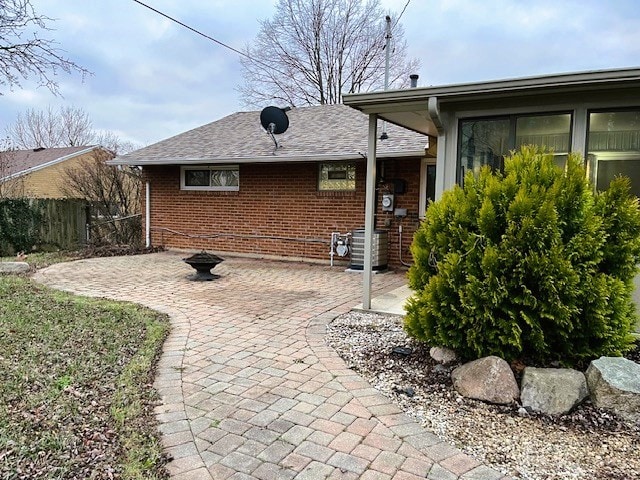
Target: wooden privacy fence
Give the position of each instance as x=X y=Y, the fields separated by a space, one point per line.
x=63 y=223
x=56 y=223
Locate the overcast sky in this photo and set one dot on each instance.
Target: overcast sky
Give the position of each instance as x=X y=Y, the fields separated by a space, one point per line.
x=153 y=79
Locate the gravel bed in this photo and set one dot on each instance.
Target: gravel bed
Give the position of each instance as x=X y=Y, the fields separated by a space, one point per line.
x=588 y=443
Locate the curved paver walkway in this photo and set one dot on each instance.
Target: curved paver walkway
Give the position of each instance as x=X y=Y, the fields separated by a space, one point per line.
x=249 y=389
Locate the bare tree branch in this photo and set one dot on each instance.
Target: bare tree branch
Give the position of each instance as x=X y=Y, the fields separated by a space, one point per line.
x=9 y=188
x=24 y=53
x=313 y=51
x=66 y=127
x=114 y=194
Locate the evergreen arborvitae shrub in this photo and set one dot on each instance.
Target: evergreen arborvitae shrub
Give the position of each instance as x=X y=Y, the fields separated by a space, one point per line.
x=527 y=263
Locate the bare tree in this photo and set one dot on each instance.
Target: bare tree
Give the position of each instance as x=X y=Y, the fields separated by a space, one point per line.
x=66 y=127
x=9 y=188
x=313 y=51
x=114 y=195
x=24 y=53
x=113 y=143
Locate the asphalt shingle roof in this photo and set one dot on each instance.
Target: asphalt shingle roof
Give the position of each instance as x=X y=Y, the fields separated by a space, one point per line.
x=314 y=133
x=15 y=162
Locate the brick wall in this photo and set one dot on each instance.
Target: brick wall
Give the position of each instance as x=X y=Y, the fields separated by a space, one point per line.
x=274 y=200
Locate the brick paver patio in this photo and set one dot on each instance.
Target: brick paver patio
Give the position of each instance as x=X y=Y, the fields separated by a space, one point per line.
x=249 y=389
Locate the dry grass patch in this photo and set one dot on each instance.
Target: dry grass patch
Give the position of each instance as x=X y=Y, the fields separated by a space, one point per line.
x=76 y=393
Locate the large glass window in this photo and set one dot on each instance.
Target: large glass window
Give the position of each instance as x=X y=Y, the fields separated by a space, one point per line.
x=483 y=142
x=214 y=178
x=614 y=147
x=486 y=141
x=551 y=131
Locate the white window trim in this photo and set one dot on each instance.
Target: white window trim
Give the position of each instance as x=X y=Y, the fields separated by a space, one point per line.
x=209 y=188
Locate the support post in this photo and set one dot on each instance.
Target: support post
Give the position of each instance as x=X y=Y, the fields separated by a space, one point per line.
x=369 y=211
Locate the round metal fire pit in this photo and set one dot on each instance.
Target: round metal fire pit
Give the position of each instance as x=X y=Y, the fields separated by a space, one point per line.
x=203 y=262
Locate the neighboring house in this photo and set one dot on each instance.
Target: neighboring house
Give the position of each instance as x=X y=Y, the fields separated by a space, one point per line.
x=40 y=173
x=595 y=113
x=225 y=187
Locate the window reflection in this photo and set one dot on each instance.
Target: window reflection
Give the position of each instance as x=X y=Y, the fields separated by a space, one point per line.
x=614 y=147
x=487 y=141
x=483 y=142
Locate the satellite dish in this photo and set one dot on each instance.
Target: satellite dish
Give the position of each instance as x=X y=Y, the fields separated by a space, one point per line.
x=274 y=120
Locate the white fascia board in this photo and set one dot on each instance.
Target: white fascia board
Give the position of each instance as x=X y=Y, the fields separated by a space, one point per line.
x=263 y=160
x=48 y=164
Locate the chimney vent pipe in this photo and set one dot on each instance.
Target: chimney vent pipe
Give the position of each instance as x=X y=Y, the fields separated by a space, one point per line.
x=414 y=80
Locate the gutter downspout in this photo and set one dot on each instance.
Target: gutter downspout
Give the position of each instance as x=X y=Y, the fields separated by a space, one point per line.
x=369 y=211
x=433 y=107
x=147 y=216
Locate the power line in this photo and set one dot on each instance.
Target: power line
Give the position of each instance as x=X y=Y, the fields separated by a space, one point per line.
x=194 y=30
x=401 y=13
x=208 y=37
x=222 y=44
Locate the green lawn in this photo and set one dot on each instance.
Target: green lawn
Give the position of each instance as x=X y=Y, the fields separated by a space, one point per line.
x=75 y=385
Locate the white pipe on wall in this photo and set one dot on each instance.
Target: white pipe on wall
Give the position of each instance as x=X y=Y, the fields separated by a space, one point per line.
x=147 y=217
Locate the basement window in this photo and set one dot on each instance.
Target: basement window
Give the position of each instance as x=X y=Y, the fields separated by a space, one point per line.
x=337 y=177
x=216 y=178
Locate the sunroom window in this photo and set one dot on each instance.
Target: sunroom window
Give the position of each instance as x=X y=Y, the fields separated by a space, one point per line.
x=486 y=141
x=212 y=178
x=483 y=142
x=614 y=147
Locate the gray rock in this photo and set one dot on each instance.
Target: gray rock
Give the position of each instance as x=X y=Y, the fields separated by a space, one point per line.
x=14 y=267
x=439 y=368
x=443 y=355
x=552 y=390
x=614 y=383
x=489 y=379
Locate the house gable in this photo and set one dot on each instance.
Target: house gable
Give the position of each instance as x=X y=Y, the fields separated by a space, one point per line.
x=41 y=173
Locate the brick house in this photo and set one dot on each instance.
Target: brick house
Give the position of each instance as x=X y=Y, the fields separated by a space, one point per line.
x=226 y=188
x=40 y=173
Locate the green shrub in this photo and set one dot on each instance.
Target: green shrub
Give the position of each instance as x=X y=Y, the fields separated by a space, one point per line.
x=18 y=225
x=527 y=263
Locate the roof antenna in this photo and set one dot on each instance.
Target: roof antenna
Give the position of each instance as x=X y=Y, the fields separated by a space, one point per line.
x=275 y=121
x=387 y=47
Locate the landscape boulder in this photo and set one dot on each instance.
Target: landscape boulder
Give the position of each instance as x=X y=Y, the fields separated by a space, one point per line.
x=443 y=355
x=614 y=383
x=552 y=390
x=14 y=267
x=489 y=379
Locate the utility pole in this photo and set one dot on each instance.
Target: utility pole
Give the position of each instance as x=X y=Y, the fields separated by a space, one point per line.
x=387 y=48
